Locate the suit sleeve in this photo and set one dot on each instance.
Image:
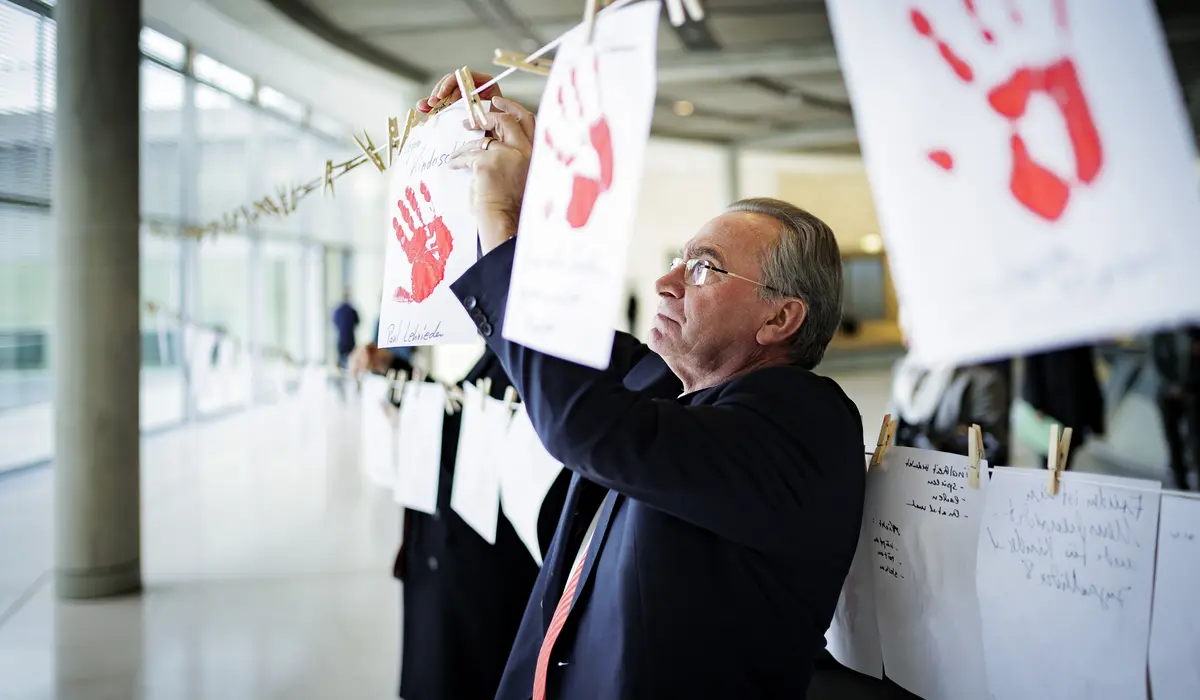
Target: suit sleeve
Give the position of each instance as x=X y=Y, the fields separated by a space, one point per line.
x=730 y=467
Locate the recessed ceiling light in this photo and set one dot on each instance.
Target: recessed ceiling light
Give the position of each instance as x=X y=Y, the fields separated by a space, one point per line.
x=871 y=243
x=683 y=108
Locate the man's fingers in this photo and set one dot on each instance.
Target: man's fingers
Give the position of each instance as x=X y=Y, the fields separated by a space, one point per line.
x=508 y=130
x=523 y=117
x=464 y=157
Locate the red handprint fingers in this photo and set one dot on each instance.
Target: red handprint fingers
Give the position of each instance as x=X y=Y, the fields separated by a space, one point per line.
x=602 y=142
x=412 y=202
x=1043 y=192
x=1062 y=83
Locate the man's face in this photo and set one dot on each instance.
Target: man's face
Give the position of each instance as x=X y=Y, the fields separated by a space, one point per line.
x=696 y=326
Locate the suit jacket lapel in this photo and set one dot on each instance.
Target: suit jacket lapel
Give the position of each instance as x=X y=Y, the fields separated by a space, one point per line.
x=578 y=509
x=597 y=544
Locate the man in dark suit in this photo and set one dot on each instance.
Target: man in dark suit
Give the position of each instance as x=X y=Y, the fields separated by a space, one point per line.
x=706 y=535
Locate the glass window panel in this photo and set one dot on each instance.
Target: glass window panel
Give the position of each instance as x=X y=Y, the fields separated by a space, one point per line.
x=26 y=124
x=163 y=47
x=283 y=298
x=276 y=101
x=216 y=73
x=329 y=127
x=223 y=177
x=162 y=133
x=220 y=381
x=161 y=342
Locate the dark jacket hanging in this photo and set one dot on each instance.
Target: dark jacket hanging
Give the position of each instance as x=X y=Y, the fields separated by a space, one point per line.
x=463 y=598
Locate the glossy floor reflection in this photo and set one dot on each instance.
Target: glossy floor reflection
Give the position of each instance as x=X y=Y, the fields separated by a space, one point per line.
x=267 y=563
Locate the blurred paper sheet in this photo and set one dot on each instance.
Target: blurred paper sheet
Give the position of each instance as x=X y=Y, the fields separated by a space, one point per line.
x=569 y=274
x=475 y=494
x=853 y=636
x=1033 y=169
x=419 y=445
x=527 y=473
x=378 y=419
x=1073 y=571
x=924 y=529
x=1175 y=621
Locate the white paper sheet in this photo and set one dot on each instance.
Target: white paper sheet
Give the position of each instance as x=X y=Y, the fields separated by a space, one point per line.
x=475 y=494
x=924 y=523
x=577 y=219
x=1065 y=583
x=419 y=445
x=378 y=418
x=1063 y=223
x=1175 y=621
x=853 y=636
x=431 y=237
x=527 y=473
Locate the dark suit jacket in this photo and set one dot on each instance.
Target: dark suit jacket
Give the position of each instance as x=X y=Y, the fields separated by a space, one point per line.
x=463 y=597
x=729 y=519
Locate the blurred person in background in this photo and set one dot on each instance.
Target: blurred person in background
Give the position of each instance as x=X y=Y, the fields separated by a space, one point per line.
x=935 y=407
x=1176 y=356
x=345 y=322
x=1061 y=386
x=462 y=598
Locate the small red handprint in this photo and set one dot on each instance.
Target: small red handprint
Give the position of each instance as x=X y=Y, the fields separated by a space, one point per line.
x=427 y=245
x=581 y=142
x=1036 y=187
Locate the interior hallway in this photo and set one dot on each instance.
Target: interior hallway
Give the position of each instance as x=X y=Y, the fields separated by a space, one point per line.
x=267 y=561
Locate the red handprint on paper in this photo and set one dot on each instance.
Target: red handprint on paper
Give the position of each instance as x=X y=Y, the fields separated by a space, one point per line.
x=581 y=142
x=1035 y=186
x=426 y=244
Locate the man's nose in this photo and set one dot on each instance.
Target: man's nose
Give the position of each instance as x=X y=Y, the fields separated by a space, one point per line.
x=671 y=284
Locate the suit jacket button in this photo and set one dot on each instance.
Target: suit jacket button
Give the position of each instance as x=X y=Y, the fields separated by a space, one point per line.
x=469 y=303
x=485 y=329
x=477 y=316
x=433 y=563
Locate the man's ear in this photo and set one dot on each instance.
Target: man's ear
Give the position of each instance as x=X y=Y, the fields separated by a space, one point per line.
x=788 y=317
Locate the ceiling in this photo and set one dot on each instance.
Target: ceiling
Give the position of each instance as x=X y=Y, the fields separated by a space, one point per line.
x=760 y=73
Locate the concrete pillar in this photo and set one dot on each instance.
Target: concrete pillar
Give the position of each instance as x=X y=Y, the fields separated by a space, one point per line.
x=97 y=350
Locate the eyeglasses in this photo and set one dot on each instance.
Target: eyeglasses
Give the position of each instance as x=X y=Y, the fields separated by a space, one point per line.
x=697 y=270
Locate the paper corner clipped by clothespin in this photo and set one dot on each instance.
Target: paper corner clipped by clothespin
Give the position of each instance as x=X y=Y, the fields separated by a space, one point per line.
x=512 y=59
x=974 y=454
x=1056 y=457
x=886 y=432
x=476 y=115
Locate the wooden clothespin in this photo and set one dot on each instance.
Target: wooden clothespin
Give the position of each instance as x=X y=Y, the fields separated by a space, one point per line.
x=1056 y=458
x=975 y=454
x=370 y=151
x=266 y=205
x=454 y=400
x=512 y=59
x=886 y=432
x=485 y=390
x=418 y=374
x=510 y=397
x=476 y=117
x=327 y=187
x=396 y=140
x=589 y=20
x=680 y=11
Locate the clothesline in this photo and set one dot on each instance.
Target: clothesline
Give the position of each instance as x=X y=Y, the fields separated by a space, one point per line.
x=1141 y=489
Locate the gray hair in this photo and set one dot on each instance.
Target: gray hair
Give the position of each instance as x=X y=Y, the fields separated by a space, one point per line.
x=804 y=265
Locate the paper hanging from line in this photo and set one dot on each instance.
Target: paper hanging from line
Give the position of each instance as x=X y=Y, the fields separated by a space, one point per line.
x=853 y=635
x=924 y=527
x=1175 y=619
x=475 y=493
x=527 y=473
x=1034 y=173
x=568 y=280
x=419 y=445
x=431 y=237
x=378 y=418
x=1073 y=571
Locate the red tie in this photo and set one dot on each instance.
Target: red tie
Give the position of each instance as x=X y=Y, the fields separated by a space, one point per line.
x=556 y=625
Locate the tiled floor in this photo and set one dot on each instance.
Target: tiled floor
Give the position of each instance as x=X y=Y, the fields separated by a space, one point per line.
x=267 y=566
